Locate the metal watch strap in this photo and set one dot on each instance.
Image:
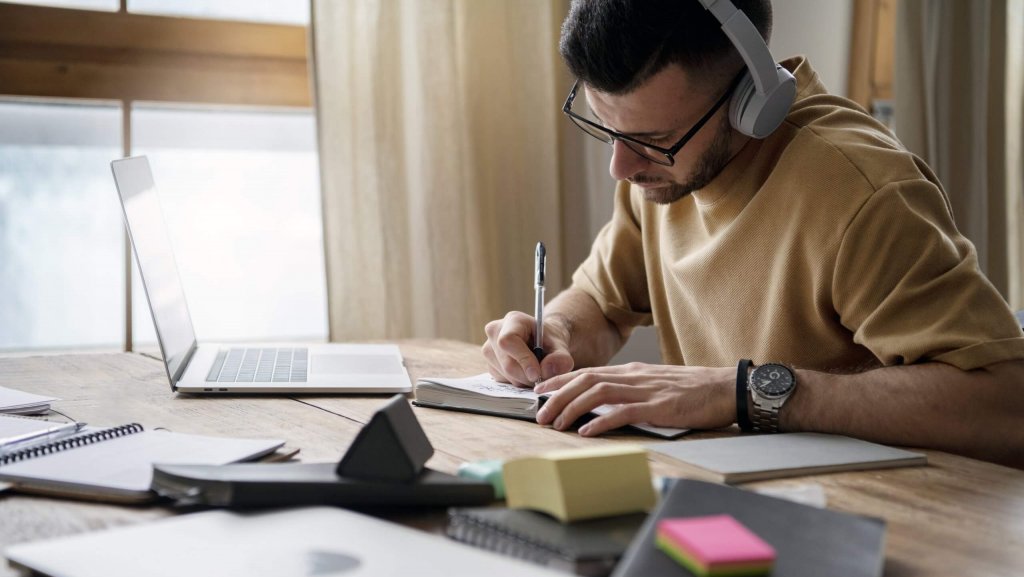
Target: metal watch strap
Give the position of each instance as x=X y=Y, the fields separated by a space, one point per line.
x=765 y=421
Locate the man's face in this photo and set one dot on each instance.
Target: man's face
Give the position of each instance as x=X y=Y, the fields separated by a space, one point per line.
x=660 y=112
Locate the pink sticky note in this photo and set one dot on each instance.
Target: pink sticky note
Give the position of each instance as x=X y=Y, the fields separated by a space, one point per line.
x=716 y=540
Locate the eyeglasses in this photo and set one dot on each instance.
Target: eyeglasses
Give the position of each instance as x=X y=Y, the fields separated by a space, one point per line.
x=656 y=154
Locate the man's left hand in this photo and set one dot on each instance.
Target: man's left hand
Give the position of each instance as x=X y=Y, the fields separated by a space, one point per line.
x=660 y=395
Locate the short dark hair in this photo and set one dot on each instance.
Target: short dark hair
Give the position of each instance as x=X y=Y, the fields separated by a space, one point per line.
x=616 y=45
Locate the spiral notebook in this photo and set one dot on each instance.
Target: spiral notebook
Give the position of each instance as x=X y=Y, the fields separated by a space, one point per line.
x=588 y=548
x=116 y=463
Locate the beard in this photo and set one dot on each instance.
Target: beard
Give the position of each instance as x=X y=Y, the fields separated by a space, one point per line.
x=707 y=167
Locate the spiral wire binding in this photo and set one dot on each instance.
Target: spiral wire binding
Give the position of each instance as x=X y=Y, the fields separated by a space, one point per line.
x=498 y=539
x=70 y=443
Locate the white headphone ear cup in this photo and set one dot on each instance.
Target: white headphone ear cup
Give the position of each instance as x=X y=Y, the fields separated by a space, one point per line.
x=740 y=103
x=759 y=115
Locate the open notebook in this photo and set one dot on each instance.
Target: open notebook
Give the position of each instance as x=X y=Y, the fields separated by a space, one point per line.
x=116 y=463
x=482 y=394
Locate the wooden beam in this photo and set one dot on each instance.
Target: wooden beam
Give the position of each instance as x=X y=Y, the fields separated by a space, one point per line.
x=884 y=62
x=58 y=52
x=862 y=45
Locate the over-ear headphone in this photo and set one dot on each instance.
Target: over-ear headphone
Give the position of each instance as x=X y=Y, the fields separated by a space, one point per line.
x=765 y=93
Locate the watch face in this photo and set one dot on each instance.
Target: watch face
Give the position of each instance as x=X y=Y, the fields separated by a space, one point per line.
x=772 y=380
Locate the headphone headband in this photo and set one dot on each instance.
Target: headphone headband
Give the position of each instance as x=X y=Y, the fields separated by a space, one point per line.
x=764 y=97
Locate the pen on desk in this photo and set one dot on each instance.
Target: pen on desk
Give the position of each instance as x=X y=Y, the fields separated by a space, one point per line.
x=51 y=434
x=540 y=265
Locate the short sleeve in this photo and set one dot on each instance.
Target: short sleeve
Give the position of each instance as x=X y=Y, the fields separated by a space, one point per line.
x=908 y=285
x=614 y=274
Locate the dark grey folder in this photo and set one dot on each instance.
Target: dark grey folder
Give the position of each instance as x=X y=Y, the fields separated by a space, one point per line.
x=383 y=467
x=294 y=484
x=808 y=541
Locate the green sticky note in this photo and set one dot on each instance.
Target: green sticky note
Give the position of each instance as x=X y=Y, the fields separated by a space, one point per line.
x=488 y=471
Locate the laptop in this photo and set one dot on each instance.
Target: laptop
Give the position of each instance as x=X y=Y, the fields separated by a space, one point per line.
x=293 y=542
x=235 y=368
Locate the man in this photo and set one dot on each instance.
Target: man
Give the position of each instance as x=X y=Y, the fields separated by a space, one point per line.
x=826 y=248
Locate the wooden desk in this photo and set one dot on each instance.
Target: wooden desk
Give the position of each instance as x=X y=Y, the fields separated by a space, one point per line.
x=957 y=516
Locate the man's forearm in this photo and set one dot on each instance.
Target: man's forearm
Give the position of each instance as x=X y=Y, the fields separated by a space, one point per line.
x=933 y=405
x=593 y=339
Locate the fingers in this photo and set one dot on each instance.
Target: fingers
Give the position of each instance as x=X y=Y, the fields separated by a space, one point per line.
x=662 y=395
x=583 y=394
x=619 y=416
x=557 y=362
x=509 y=356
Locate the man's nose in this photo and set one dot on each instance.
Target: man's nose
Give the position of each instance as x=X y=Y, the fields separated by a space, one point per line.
x=625 y=163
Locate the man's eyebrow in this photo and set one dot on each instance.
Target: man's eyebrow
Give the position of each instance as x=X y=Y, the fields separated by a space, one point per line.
x=647 y=135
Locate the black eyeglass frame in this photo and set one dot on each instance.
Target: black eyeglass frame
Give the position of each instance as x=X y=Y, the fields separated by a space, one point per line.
x=670 y=152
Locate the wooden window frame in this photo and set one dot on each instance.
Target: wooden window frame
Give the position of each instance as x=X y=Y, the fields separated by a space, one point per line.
x=60 y=52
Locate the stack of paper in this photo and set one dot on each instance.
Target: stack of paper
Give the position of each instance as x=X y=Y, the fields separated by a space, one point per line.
x=715 y=546
x=575 y=484
x=14 y=402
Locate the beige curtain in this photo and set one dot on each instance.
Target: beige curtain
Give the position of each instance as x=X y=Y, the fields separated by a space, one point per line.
x=958 y=104
x=443 y=154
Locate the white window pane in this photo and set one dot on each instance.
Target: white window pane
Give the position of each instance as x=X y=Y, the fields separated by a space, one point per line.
x=275 y=11
x=61 y=232
x=104 y=5
x=241 y=197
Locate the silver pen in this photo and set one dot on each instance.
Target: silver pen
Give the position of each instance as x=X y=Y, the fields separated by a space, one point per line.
x=58 y=431
x=540 y=266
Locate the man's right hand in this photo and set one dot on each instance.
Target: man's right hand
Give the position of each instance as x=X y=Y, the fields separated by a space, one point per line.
x=510 y=358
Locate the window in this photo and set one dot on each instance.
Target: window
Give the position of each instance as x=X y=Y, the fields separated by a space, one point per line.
x=278 y=11
x=223 y=110
x=60 y=227
x=107 y=5
x=240 y=193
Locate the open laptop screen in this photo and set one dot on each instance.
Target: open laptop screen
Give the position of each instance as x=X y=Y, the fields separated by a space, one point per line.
x=155 y=258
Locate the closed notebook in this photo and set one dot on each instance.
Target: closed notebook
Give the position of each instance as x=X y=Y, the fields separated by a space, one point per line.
x=808 y=541
x=482 y=394
x=116 y=464
x=589 y=547
x=757 y=457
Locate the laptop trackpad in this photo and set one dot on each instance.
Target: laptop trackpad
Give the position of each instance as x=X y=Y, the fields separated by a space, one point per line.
x=347 y=364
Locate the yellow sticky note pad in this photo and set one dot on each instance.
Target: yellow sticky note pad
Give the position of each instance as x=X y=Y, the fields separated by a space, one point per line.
x=580 y=484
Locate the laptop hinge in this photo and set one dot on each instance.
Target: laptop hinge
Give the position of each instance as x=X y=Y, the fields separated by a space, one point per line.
x=183 y=366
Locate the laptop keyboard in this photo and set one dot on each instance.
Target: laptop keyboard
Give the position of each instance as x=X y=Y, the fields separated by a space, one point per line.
x=260 y=365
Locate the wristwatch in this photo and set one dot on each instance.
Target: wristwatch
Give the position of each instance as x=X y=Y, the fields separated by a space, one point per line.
x=770 y=385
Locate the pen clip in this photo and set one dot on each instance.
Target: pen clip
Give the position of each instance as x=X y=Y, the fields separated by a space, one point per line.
x=540 y=270
x=540 y=265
